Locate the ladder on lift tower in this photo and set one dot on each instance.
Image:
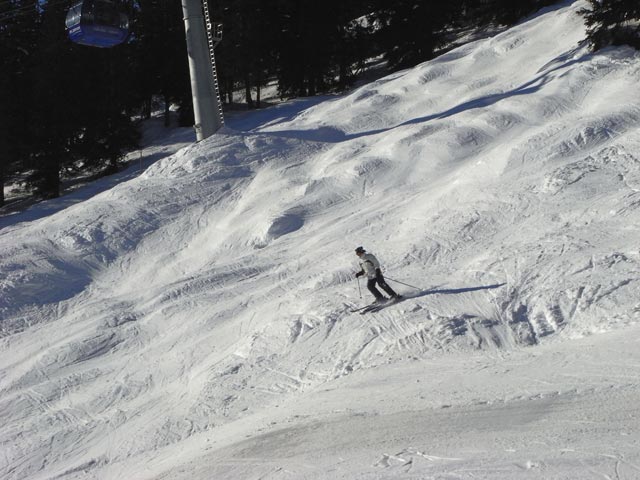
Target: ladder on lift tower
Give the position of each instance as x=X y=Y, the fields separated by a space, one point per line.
x=214 y=35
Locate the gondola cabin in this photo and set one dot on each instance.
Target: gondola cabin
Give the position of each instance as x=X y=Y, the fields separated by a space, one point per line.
x=98 y=23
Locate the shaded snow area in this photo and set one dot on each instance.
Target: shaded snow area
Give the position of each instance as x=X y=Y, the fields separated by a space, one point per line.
x=194 y=322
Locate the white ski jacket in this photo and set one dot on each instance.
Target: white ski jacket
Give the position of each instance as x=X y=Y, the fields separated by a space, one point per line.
x=369 y=263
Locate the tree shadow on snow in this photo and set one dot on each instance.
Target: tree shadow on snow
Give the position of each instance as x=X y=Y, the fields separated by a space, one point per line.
x=334 y=135
x=251 y=120
x=29 y=209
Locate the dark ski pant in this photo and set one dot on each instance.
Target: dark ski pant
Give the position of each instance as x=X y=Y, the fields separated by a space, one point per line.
x=379 y=279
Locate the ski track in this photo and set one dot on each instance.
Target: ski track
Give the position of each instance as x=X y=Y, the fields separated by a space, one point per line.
x=199 y=311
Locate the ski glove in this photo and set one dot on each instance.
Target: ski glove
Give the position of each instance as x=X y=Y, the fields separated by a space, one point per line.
x=359 y=274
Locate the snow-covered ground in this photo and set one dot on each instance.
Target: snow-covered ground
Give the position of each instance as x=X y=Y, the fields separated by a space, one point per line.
x=193 y=322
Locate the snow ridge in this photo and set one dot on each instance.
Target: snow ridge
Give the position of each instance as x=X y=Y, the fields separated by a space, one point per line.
x=183 y=307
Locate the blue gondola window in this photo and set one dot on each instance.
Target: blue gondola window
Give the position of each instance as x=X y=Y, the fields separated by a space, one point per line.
x=97 y=23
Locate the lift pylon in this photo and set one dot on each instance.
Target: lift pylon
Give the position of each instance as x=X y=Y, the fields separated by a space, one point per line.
x=207 y=107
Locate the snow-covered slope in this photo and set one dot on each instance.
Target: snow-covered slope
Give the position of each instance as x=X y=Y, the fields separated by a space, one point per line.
x=194 y=322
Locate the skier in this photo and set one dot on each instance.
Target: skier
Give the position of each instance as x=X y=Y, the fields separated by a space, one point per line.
x=371 y=267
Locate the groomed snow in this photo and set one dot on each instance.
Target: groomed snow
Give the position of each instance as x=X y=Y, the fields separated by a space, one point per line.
x=193 y=322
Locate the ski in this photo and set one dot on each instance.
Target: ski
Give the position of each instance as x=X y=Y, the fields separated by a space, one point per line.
x=376 y=307
x=370 y=308
x=371 y=305
x=373 y=308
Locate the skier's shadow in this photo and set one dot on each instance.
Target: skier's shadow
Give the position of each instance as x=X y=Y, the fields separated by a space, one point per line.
x=452 y=291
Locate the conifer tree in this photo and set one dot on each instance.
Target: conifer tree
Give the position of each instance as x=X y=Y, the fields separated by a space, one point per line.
x=80 y=105
x=318 y=43
x=19 y=22
x=103 y=129
x=412 y=30
x=161 y=64
x=51 y=98
x=613 y=22
x=245 y=56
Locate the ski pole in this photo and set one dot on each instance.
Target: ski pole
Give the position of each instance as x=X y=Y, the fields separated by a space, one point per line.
x=359 y=291
x=398 y=281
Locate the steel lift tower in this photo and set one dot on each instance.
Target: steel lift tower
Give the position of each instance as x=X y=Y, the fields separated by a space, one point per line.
x=207 y=107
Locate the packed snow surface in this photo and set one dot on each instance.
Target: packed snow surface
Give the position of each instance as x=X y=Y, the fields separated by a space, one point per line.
x=193 y=322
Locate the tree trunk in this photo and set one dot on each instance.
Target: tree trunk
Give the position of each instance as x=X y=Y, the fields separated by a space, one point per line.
x=247 y=93
x=343 y=75
x=258 y=83
x=50 y=187
x=1 y=185
x=312 y=85
x=146 y=108
x=167 y=113
x=228 y=85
